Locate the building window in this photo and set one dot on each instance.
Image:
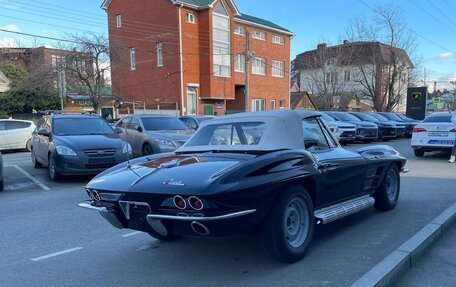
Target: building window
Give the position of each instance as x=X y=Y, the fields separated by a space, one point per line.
x=278 y=39
x=278 y=69
x=273 y=105
x=160 y=54
x=259 y=35
x=221 y=41
x=191 y=101
x=282 y=104
x=258 y=105
x=258 y=66
x=118 y=20
x=239 y=30
x=132 y=59
x=58 y=61
x=347 y=76
x=328 y=78
x=239 y=63
x=190 y=18
x=334 y=78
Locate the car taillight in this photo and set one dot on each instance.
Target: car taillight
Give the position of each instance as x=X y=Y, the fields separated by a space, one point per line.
x=195 y=203
x=179 y=202
x=418 y=129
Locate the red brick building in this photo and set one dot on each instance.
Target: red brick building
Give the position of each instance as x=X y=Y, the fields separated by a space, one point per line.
x=193 y=53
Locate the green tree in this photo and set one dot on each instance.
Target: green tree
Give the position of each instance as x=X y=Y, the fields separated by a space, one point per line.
x=14 y=73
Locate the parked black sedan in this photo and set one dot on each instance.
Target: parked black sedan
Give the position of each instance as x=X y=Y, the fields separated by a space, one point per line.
x=386 y=131
x=278 y=173
x=70 y=144
x=400 y=127
x=408 y=123
x=365 y=131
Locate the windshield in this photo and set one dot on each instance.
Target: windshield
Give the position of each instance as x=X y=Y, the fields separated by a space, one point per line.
x=346 y=117
x=81 y=126
x=248 y=133
x=379 y=117
x=439 y=118
x=163 y=123
x=365 y=117
x=327 y=118
x=203 y=119
x=393 y=117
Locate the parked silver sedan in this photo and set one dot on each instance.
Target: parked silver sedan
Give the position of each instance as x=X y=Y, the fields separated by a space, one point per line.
x=150 y=134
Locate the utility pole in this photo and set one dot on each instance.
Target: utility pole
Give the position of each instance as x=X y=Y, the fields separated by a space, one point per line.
x=247 y=72
x=424 y=76
x=62 y=86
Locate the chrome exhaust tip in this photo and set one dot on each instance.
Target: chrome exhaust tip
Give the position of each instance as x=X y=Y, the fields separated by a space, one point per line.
x=199 y=228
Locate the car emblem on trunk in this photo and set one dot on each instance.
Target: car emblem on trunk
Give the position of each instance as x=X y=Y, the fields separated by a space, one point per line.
x=173 y=182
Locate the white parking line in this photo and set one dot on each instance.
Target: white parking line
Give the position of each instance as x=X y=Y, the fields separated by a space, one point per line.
x=132 y=233
x=31 y=178
x=56 y=254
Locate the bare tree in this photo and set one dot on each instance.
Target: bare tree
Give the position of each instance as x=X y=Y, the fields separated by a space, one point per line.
x=88 y=63
x=384 y=67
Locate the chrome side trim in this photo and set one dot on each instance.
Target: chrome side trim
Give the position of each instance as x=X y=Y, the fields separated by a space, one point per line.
x=201 y=218
x=337 y=211
x=405 y=170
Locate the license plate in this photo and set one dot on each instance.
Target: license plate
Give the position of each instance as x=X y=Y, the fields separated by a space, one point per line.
x=442 y=142
x=101 y=161
x=438 y=134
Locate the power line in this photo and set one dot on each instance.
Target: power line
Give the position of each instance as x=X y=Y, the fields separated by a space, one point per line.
x=431 y=15
x=441 y=12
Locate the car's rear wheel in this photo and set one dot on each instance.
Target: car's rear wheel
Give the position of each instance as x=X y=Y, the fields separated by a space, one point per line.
x=418 y=152
x=289 y=227
x=147 y=149
x=28 y=145
x=53 y=173
x=387 y=195
x=35 y=162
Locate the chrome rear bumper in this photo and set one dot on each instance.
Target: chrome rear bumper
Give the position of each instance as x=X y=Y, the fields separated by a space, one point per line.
x=111 y=217
x=201 y=218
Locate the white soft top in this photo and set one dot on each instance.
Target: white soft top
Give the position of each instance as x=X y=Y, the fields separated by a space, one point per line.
x=283 y=131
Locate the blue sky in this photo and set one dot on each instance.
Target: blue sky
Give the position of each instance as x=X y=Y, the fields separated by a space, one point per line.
x=433 y=22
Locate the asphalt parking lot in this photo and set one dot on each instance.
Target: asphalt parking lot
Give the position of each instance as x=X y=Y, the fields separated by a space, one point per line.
x=47 y=240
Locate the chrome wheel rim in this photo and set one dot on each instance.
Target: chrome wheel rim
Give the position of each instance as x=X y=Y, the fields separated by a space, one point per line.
x=297 y=221
x=391 y=184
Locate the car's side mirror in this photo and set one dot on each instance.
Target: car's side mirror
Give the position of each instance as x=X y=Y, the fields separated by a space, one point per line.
x=139 y=128
x=118 y=130
x=43 y=132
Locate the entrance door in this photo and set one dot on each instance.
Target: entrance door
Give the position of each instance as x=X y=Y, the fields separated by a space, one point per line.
x=191 y=101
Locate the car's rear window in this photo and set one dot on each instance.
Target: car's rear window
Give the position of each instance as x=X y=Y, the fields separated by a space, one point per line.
x=13 y=125
x=81 y=126
x=163 y=123
x=438 y=119
x=247 y=133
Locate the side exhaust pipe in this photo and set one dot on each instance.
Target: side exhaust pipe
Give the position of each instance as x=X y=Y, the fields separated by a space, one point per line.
x=199 y=228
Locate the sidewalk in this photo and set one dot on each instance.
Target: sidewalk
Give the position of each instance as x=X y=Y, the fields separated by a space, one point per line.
x=437 y=267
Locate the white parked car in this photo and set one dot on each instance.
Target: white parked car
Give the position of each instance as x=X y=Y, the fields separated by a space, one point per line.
x=16 y=134
x=434 y=133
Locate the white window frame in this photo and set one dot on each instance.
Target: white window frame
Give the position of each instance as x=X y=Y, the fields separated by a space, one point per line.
x=190 y=17
x=159 y=48
x=273 y=105
x=239 y=63
x=278 y=72
x=132 y=59
x=282 y=104
x=256 y=35
x=276 y=39
x=239 y=30
x=223 y=42
x=118 y=20
x=262 y=66
x=261 y=105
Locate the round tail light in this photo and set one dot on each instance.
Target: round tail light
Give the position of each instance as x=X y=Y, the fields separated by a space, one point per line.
x=179 y=202
x=195 y=203
x=96 y=195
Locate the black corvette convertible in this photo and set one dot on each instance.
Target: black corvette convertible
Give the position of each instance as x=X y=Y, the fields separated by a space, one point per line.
x=275 y=173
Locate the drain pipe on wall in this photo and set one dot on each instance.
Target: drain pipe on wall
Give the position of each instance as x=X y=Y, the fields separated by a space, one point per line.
x=180 y=60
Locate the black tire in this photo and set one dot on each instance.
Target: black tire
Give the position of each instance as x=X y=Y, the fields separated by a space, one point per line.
x=2 y=185
x=418 y=152
x=385 y=139
x=53 y=173
x=28 y=145
x=35 y=162
x=279 y=222
x=367 y=141
x=169 y=237
x=147 y=149
x=387 y=194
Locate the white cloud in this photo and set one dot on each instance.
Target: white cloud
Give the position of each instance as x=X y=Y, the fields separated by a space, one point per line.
x=445 y=56
x=10 y=27
x=8 y=43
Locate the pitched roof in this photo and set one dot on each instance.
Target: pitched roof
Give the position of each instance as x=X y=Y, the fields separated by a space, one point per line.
x=349 y=53
x=261 y=22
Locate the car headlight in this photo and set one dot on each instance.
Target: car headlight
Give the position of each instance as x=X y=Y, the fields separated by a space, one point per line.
x=166 y=143
x=126 y=148
x=64 y=150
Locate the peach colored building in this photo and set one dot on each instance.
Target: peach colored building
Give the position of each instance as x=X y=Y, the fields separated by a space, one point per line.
x=193 y=53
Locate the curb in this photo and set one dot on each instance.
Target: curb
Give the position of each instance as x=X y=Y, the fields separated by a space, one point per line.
x=403 y=258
